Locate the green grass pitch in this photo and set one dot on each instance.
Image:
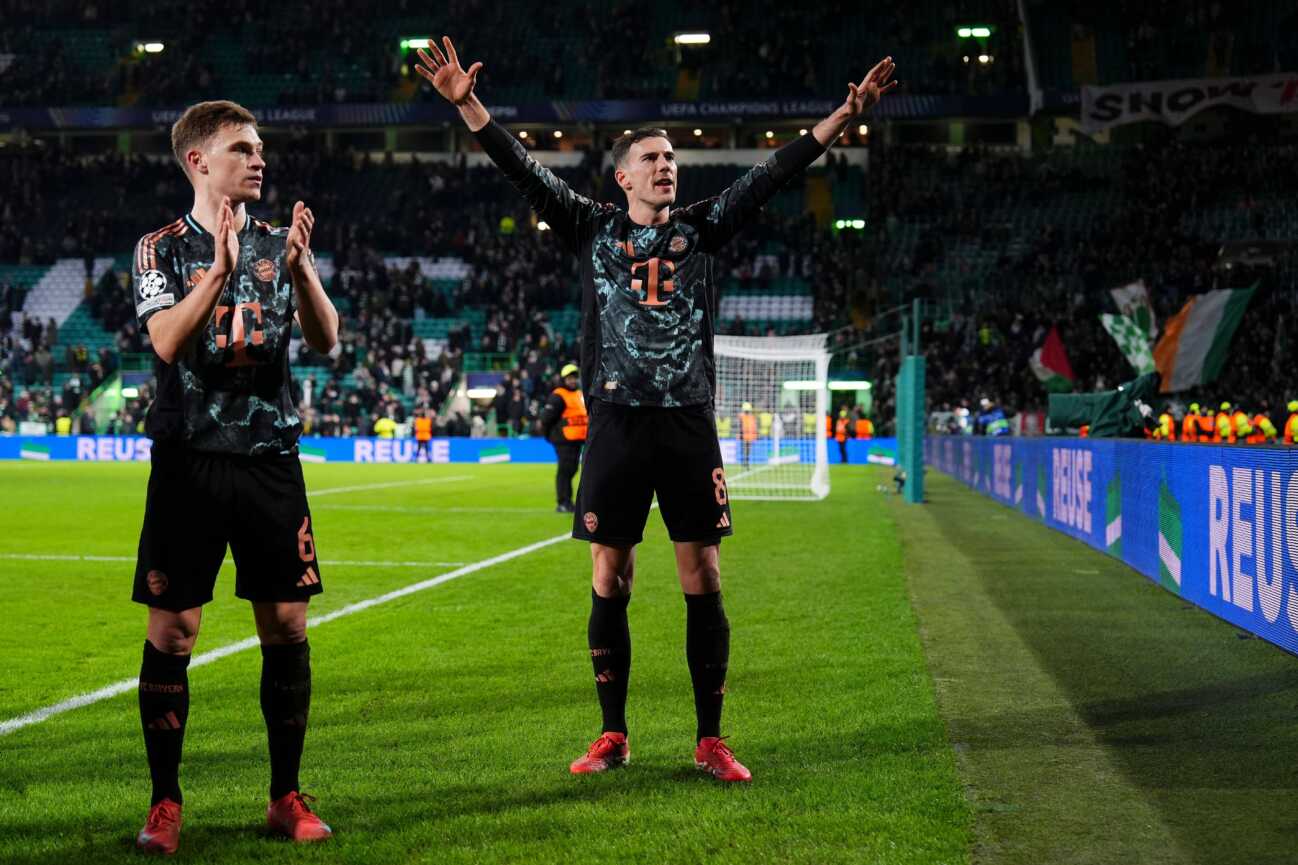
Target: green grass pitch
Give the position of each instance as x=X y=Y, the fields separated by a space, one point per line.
x=442 y=722
x=949 y=683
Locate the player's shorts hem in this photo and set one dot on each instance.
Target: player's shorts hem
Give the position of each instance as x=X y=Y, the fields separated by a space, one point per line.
x=283 y=596
x=709 y=538
x=606 y=541
x=171 y=606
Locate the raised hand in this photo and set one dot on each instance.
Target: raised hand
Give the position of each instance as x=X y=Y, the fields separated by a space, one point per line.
x=227 y=239
x=446 y=75
x=864 y=96
x=297 y=247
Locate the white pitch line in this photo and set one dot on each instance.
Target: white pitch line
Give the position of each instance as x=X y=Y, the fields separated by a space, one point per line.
x=113 y=690
x=329 y=491
x=50 y=557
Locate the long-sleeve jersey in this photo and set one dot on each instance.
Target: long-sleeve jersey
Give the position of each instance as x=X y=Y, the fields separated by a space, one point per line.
x=228 y=391
x=649 y=292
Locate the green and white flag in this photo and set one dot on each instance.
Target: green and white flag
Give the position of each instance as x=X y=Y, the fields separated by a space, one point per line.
x=1133 y=302
x=1131 y=341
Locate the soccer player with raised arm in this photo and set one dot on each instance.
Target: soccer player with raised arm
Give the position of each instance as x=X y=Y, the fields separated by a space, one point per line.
x=649 y=307
x=218 y=292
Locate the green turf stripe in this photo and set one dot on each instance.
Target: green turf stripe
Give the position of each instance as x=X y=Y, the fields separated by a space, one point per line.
x=1098 y=718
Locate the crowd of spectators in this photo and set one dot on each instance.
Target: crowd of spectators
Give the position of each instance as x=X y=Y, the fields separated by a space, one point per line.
x=999 y=245
x=1158 y=213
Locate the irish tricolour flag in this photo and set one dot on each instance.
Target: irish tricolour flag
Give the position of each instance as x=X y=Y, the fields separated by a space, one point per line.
x=1196 y=340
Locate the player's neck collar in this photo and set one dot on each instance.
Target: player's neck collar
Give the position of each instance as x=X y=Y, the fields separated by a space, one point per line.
x=198 y=229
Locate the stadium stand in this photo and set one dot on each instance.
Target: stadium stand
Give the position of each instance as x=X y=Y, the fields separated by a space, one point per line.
x=439 y=269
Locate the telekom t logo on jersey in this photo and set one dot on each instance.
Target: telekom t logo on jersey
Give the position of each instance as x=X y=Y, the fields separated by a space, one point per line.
x=235 y=335
x=658 y=279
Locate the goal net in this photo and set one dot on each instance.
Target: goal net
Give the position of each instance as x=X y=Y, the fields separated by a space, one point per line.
x=771 y=406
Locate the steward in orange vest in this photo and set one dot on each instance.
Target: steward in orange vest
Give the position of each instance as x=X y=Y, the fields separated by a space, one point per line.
x=423 y=436
x=1241 y=425
x=1263 y=430
x=840 y=434
x=1291 y=425
x=747 y=432
x=1166 y=429
x=1190 y=424
x=864 y=428
x=563 y=421
x=1224 y=430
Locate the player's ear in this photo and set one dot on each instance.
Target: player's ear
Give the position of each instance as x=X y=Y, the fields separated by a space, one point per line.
x=622 y=180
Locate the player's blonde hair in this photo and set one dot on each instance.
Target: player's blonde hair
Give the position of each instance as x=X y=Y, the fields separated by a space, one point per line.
x=200 y=122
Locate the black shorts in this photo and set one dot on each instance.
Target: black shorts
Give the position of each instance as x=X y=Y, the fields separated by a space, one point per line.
x=200 y=502
x=633 y=452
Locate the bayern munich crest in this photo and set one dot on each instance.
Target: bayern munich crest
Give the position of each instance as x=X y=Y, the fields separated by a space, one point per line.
x=678 y=244
x=157 y=582
x=264 y=270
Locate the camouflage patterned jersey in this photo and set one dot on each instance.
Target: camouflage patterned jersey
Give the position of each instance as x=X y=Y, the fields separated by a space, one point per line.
x=649 y=293
x=229 y=390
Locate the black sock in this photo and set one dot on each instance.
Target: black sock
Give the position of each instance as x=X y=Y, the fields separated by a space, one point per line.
x=609 y=638
x=707 y=650
x=164 y=707
x=285 y=704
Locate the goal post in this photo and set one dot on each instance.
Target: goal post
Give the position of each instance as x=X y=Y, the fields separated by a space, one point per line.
x=771 y=404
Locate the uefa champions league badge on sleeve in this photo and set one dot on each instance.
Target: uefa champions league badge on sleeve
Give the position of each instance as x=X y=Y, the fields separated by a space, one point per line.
x=152 y=283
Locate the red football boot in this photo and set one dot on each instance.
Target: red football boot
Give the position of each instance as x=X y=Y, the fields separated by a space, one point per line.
x=292 y=817
x=714 y=757
x=609 y=751
x=161 y=832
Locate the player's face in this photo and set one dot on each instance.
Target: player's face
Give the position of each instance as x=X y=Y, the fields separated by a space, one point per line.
x=648 y=173
x=234 y=164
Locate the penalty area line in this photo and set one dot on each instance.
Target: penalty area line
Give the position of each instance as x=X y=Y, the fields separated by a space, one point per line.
x=117 y=688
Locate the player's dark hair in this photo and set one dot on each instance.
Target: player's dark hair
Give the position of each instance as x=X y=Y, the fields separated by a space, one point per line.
x=200 y=122
x=622 y=145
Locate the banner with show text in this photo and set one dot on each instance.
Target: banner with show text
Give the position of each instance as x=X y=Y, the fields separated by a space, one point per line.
x=1174 y=102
